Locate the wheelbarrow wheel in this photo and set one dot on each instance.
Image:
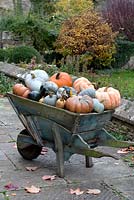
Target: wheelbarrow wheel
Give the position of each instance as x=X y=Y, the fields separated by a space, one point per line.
x=30 y=151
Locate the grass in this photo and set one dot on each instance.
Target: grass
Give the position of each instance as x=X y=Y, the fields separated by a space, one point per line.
x=123 y=80
x=5 y=84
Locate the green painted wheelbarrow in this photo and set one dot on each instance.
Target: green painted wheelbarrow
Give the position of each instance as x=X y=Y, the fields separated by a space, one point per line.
x=67 y=133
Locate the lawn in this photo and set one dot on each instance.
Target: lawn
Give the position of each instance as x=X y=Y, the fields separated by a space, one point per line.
x=123 y=80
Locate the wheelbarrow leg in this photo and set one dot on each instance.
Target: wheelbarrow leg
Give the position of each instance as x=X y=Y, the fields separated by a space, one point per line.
x=89 y=161
x=59 y=150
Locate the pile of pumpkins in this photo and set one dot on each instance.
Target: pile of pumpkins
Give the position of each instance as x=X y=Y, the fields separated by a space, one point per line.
x=60 y=90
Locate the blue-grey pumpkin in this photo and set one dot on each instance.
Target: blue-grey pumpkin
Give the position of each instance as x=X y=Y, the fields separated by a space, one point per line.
x=98 y=107
x=89 y=91
x=50 y=99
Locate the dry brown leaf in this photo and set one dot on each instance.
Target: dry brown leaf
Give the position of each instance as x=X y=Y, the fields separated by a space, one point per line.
x=131 y=148
x=11 y=186
x=48 y=177
x=126 y=150
x=76 y=191
x=31 y=168
x=123 y=151
x=44 y=150
x=33 y=189
x=13 y=194
x=93 y=191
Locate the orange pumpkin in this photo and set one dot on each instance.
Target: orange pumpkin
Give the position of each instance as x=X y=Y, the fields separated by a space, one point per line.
x=82 y=84
x=79 y=104
x=20 y=90
x=109 y=96
x=62 y=79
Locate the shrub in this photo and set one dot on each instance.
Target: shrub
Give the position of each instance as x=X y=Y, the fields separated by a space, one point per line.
x=22 y=54
x=89 y=36
x=125 y=49
x=2 y=55
x=120 y=13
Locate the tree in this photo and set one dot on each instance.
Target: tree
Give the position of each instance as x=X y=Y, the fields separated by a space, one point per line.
x=68 y=8
x=89 y=36
x=18 y=10
x=42 y=8
x=120 y=14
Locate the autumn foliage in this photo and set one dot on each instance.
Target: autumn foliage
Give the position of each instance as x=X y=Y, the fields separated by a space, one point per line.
x=87 y=35
x=72 y=7
x=120 y=13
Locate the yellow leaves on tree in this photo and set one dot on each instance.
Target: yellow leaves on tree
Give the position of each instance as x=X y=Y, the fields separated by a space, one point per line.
x=87 y=34
x=73 y=7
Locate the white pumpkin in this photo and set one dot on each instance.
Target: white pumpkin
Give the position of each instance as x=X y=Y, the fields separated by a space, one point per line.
x=35 y=79
x=40 y=75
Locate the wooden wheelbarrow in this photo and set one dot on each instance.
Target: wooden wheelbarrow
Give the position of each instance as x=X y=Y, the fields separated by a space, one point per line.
x=67 y=133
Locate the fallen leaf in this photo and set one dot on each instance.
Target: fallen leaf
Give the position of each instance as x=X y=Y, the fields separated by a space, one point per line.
x=33 y=189
x=48 y=177
x=31 y=168
x=15 y=146
x=123 y=151
x=13 y=194
x=44 y=150
x=11 y=186
x=77 y=191
x=93 y=191
x=126 y=150
x=131 y=148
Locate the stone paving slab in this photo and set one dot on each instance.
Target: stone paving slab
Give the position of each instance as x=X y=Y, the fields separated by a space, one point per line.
x=124 y=185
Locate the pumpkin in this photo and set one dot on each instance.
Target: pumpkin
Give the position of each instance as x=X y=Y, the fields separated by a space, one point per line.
x=79 y=104
x=89 y=91
x=20 y=90
x=50 y=86
x=109 y=96
x=61 y=79
x=35 y=79
x=98 y=107
x=40 y=75
x=81 y=84
x=50 y=99
x=60 y=103
x=34 y=95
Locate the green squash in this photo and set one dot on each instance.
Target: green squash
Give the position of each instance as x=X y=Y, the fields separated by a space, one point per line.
x=34 y=95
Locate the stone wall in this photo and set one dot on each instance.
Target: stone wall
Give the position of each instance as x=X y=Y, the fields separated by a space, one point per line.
x=8 y=4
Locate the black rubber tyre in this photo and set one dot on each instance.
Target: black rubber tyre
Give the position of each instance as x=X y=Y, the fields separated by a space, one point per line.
x=30 y=152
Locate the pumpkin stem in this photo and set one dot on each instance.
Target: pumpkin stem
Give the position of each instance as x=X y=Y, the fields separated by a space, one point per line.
x=96 y=85
x=58 y=75
x=51 y=94
x=105 y=90
x=33 y=76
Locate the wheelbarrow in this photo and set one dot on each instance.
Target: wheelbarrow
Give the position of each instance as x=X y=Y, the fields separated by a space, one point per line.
x=65 y=132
